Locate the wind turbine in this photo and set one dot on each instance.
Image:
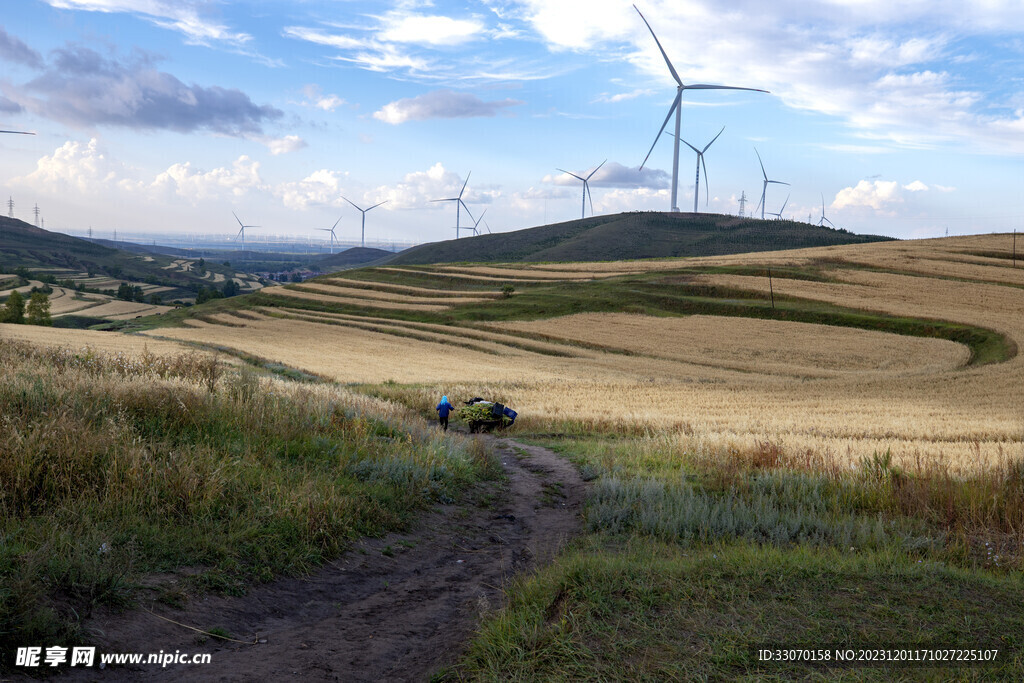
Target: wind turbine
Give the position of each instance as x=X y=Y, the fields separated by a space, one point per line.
x=764 y=188
x=241 y=231
x=677 y=108
x=458 y=204
x=823 y=220
x=778 y=216
x=700 y=162
x=477 y=223
x=331 y=230
x=362 y=239
x=586 y=189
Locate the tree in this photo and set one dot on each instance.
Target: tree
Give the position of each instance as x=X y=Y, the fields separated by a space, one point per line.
x=14 y=309
x=39 y=309
x=230 y=288
x=125 y=292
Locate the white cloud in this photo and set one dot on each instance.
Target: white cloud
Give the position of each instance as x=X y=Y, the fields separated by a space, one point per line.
x=419 y=188
x=623 y=96
x=877 y=194
x=182 y=180
x=78 y=167
x=430 y=30
x=179 y=15
x=916 y=186
x=871 y=63
x=316 y=98
x=440 y=104
x=614 y=174
x=288 y=143
x=944 y=188
x=321 y=188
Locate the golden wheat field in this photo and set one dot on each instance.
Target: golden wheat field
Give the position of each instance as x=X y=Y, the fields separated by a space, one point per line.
x=719 y=383
x=77 y=340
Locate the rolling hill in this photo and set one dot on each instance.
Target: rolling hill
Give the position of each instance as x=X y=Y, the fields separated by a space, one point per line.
x=631 y=236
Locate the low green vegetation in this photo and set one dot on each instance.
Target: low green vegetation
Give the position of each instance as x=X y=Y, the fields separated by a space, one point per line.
x=692 y=561
x=115 y=467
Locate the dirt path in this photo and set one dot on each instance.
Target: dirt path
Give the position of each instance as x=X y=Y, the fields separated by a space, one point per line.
x=397 y=608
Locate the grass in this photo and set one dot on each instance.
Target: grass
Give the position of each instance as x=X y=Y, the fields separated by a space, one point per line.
x=113 y=468
x=649 y=612
x=692 y=561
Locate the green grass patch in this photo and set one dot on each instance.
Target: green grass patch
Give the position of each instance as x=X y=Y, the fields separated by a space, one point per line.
x=112 y=469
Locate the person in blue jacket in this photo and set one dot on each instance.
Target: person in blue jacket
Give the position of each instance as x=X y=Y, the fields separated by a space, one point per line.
x=443 y=408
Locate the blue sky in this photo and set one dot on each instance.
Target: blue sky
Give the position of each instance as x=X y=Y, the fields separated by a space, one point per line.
x=160 y=115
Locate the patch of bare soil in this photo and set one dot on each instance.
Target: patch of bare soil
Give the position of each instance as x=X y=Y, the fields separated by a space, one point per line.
x=396 y=608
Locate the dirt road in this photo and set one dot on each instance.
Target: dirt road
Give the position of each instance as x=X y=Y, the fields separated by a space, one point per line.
x=397 y=608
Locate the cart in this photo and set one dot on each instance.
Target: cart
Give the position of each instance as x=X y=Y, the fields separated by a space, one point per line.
x=487 y=416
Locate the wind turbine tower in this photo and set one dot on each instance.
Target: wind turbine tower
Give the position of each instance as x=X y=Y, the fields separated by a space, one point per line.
x=764 y=188
x=459 y=204
x=331 y=230
x=676 y=108
x=241 y=231
x=700 y=162
x=586 y=188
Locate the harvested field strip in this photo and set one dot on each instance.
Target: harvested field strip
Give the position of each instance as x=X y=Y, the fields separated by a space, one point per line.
x=759 y=345
x=459 y=276
x=455 y=336
x=112 y=342
x=405 y=289
x=113 y=310
x=282 y=292
x=337 y=290
x=395 y=331
x=521 y=272
x=517 y=341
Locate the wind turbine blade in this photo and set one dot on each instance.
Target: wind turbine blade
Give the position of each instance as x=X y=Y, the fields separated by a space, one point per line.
x=467 y=209
x=761 y=201
x=377 y=204
x=586 y=186
x=572 y=174
x=479 y=219
x=464 y=185
x=358 y=209
x=823 y=205
x=712 y=140
x=667 y=61
x=236 y=218
x=705 y=86
x=784 y=206
x=691 y=147
x=760 y=162
x=778 y=182
x=17 y=132
x=335 y=224
x=671 y=110
x=449 y=199
x=596 y=169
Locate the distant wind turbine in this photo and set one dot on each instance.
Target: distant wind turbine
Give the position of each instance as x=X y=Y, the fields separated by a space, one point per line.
x=778 y=216
x=459 y=204
x=700 y=162
x=823 y=220
x=677 y=108
x=477 y=223
x=586 y=188
x=362 y=238
x=331 y=230
x=764 y=188
x=241 y=232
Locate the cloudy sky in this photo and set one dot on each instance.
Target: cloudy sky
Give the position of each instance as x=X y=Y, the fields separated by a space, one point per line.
x=167 y=115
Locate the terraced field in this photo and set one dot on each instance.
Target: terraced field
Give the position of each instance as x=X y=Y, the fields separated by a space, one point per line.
x=906 y=348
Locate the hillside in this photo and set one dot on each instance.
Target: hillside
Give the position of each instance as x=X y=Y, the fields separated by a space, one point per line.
x=356 y=256
x=633 y=235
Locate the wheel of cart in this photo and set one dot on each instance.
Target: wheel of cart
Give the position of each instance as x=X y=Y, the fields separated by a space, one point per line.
x=485 y=425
